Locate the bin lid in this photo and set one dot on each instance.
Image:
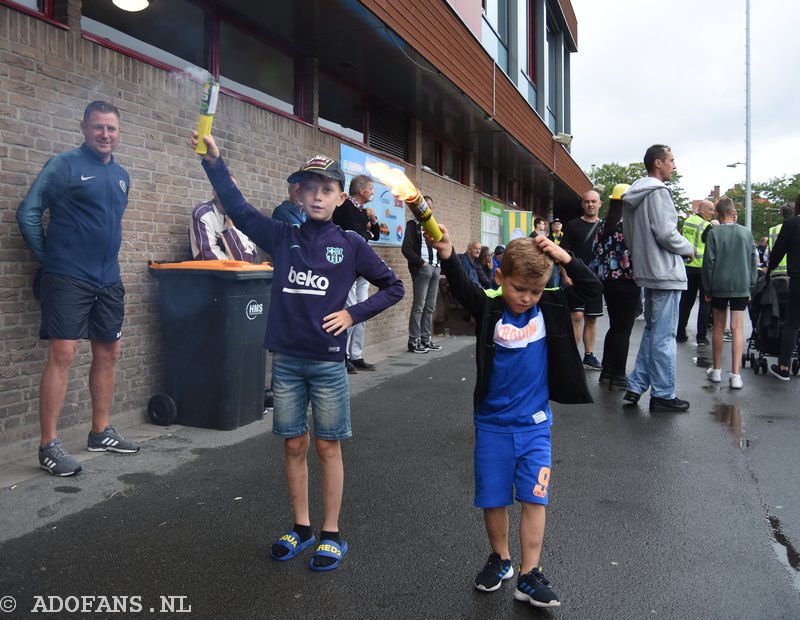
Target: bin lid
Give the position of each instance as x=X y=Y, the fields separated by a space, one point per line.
x=212 y=265
x=219 y=268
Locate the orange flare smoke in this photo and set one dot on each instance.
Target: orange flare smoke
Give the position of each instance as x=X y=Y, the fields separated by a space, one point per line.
x=393 y=178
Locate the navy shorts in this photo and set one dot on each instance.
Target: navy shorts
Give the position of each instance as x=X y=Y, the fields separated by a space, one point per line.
x=74 y=310
x=736 y=303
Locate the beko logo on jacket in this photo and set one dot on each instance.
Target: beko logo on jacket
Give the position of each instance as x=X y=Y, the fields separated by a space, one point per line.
x=311 y=284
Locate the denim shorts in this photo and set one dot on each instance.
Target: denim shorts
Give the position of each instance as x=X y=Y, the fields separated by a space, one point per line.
x=296 y=381
x=509 y=462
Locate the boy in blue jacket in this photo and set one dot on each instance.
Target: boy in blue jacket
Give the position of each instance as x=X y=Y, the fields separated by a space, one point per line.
x=526 y=355
x=315 y=265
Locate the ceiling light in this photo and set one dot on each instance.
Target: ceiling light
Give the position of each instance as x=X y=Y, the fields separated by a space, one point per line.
x=132 y=5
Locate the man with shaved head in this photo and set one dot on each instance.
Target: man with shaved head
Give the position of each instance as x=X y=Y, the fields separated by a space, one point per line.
x=695 y=230
x=578 y=237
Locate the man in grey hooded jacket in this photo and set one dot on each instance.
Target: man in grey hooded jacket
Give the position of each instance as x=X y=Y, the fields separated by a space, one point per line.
x=657 y=249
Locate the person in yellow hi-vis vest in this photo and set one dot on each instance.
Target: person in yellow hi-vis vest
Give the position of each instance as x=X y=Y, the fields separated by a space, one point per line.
x=695 y=229
x=787 y=211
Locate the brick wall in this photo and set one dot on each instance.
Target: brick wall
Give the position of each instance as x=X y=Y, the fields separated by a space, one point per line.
x=47 y=76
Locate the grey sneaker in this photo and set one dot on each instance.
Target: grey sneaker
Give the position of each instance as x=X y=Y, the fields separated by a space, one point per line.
x=54 y=459
x=110 y=441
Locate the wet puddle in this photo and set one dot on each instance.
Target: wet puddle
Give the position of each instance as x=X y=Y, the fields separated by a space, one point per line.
x=732 y=416
x=785 y=550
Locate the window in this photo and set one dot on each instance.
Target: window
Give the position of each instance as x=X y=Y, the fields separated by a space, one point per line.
x=250 y=67
x=183 y=35
x=430 y=153
x=179 y=38
x=35 y=5
x=552 y=77
x=341 y=108
x=451 y=163
x=531 y=42
x=46 y=9
x=494 y=34
x=442 y=158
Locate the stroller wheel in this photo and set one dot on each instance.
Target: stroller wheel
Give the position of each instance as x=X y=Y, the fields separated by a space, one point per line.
x=755 y=366
x=764 y=365
x=744 y=361
x=795 y=366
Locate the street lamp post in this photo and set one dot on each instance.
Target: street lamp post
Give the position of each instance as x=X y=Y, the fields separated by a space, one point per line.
x=748 y=190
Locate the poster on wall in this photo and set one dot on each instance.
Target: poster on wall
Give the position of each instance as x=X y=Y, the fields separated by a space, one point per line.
x=516 y=224
x=390 y=210
x=491 y=223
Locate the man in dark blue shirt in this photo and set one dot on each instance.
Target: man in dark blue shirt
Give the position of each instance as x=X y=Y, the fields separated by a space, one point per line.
x=82 y=295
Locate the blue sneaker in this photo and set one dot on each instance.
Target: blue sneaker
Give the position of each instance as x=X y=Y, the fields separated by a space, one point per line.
x=534 y=588
x=110 y=441
x=494 y=573
x=54 y=459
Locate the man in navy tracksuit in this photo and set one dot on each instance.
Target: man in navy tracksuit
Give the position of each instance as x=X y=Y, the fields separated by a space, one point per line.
x=82 y=296
x=315 y=266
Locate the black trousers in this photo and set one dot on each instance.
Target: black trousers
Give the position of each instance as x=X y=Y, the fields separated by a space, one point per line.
x=792 y=322
x=622 y=298
x=694 y=286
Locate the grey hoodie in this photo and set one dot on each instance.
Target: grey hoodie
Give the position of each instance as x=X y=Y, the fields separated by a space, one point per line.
x=650 y=226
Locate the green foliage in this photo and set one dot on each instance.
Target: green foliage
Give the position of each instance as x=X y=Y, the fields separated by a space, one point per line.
x=767 y=199
x=610 y=175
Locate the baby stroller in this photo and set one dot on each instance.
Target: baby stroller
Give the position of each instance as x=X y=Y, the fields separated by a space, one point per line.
x=767 y=314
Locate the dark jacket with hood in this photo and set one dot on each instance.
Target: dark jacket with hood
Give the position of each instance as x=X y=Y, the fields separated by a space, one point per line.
x=566 y=380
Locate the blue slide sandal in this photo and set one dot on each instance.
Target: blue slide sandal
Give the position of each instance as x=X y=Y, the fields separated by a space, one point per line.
x=328 y=549
x=291 y=540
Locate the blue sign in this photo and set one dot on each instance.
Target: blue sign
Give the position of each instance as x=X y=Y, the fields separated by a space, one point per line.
x=389 y=209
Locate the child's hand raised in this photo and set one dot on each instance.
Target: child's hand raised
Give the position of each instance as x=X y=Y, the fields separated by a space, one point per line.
x=553 y=250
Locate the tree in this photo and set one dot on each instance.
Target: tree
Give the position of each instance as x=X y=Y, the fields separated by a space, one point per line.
x=609 y=175
x=767 y=199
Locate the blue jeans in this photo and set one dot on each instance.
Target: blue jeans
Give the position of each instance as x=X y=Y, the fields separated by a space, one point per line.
x=426 y=287
x=296 y=382
x=655 y=363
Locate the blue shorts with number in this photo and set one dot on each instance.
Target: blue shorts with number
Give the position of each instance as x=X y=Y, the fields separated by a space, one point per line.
x=512 y=466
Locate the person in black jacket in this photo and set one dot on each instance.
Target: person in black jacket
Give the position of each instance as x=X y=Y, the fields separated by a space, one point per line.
x=526 y=355
x=788 y=244
x=354 y=214
x=423 y=264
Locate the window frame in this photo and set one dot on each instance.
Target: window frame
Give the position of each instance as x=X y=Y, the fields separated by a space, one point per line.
x=214 y=16
x=46 y=14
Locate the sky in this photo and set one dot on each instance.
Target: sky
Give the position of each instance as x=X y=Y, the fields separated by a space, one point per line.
x=674 y=73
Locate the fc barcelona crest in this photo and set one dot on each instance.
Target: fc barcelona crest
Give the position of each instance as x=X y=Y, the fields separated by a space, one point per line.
x=334 y=255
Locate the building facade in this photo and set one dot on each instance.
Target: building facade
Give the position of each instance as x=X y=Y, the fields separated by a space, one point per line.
x=465 y=95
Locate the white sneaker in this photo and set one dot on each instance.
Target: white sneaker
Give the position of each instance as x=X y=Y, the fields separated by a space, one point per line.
x=714 y=375
x=735 y=381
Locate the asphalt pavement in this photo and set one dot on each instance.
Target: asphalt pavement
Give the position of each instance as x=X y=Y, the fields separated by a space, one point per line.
x=684 y=515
